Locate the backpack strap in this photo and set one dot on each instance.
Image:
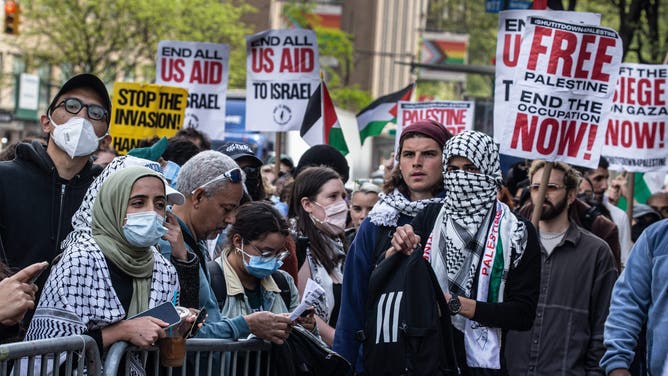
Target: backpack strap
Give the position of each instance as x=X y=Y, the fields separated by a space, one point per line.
x=282 y=284
x=218 y=284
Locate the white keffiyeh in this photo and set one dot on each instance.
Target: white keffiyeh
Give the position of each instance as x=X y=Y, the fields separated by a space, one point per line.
x=467 y=228
x=390 y=206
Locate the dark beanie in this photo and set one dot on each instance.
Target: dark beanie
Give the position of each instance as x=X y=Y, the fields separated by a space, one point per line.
x=429 y=128
x=324 y=155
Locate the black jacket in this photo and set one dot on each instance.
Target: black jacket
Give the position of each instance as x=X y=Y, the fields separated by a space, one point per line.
x=36 y=205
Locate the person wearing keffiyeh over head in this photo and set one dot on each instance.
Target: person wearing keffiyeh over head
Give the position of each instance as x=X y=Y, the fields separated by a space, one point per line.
x=415 y=182
x=112 y=271
x=486 y=259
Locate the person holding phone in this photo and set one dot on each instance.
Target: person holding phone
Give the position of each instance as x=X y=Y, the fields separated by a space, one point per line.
x=17 y=292
x=113 y=271
x=255 y=250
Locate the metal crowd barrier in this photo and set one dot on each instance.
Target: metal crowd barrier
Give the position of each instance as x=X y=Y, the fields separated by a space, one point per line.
x=203 y=357
x=79 y=352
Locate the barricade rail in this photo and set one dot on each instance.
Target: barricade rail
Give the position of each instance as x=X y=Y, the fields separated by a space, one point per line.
x=204 y=357
x=81 y=356
x=80 y=352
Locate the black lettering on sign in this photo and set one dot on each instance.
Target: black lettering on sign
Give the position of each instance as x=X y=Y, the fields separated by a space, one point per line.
x=208 y=101
x=290 y=91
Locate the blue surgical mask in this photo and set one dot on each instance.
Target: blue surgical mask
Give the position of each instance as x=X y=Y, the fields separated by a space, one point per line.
x=144 y=229
x=258 y=266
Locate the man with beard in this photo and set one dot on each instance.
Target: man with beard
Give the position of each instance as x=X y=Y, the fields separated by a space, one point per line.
x=578 y=272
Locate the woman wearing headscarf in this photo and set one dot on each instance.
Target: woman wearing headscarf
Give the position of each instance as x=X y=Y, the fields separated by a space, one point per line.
x=112 y=272
x=486 y=260
x=415 y=182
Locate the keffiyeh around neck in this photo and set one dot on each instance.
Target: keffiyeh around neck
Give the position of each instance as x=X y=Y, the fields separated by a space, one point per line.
x=390 y=206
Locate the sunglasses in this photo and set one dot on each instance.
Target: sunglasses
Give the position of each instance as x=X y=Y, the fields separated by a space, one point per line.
x=233 y=175
x=74 y=106
x=551 y=187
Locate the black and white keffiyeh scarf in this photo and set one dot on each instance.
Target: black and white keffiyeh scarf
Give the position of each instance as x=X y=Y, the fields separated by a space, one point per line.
x=468 y=228
x=390 y=206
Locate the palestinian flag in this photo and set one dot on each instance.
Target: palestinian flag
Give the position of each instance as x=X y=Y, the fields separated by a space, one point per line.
x=320 y=125
x=372 y=119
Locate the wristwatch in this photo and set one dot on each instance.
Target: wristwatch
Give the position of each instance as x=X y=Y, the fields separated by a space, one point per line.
x=454 y=305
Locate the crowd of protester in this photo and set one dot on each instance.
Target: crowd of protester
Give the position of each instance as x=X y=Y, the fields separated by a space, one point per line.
x=583 y=292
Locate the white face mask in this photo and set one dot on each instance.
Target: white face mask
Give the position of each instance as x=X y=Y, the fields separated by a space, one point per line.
x=76 y=137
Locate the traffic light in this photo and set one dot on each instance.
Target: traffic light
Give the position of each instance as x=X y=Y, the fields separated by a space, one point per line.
x=12 y=11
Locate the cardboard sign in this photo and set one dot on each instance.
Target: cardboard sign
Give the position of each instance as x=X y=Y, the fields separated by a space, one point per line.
x=282 y=71
x=508 y=43
x=565 y=79
x=203 y=69
x=456 y=116
x=635 y=139
x=142 y=111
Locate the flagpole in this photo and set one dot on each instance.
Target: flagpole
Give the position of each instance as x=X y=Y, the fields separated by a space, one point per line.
x=630 y=188
x=538 y=206
x=277 y=153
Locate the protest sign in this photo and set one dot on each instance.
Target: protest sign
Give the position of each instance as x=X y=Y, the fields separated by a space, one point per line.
x=142 y=111
x=203 y=69
x=282 y=71
x=508 y=43
x=456 y=116
x=635 y=139
x=565 y=79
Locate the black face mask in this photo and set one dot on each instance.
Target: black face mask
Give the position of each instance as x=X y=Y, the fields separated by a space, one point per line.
x=641 y=224
x=254 y=183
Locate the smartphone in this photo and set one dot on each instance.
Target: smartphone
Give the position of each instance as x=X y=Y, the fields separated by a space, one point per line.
x=201 y=316
x=165 y=312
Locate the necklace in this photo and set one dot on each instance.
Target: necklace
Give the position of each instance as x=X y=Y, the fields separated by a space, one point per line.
x=555 y=236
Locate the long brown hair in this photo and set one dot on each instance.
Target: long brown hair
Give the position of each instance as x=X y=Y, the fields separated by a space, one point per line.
x=308 y=184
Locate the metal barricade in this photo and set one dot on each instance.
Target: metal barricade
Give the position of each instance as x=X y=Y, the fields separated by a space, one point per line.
x=36 y=357
x=203 y=357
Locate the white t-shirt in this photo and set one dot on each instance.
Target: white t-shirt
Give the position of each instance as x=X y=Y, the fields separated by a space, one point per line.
x=623 y=229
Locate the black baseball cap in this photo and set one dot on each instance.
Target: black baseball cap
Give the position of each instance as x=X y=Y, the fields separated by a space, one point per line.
x=237 y=150
x=86 y=80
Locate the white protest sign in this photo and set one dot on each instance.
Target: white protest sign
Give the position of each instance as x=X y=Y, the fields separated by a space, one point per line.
x=456 y=116
x=565 y=80
x=282 y=71
x=508 y=43
x=635 y=139
x=203 y=69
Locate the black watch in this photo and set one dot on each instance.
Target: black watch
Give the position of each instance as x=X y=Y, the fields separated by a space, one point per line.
x=454 y=305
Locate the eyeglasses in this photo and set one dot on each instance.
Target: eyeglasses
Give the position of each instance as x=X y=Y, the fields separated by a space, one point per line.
x=551 y=187
x=267 y=254
x=74 y=106
x=233 y=175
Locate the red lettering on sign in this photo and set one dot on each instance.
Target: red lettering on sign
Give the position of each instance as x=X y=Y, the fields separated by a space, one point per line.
x=636 y=134
x=511 y=41
x=297 y=60
x=172 y=69
x=563 y=47
x=262 y=60
x=643 y=91
x=565 y=136
x=206 y=72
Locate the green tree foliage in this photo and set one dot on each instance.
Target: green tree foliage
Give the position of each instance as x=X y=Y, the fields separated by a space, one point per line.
x=640 y=23
x=117 y=39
